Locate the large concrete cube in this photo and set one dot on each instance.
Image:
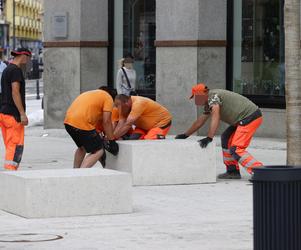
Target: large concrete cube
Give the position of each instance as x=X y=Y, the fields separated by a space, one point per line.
x=65 y=192
x=163 y=162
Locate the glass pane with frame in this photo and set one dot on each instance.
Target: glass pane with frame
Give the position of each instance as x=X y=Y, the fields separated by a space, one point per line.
x=135 y=34
x=258 y=48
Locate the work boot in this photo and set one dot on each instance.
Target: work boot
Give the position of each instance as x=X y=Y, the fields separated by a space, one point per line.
x=103 y=158
x=230 y=175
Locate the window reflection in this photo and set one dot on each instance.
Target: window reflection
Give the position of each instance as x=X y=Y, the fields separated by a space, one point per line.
x=259 y=47
x=135 y=33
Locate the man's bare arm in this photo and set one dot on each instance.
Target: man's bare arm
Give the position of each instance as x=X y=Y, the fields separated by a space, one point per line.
x=107 y=125
x=197 y=124
x=125 y=127
x=18 y=102
x=119 y=125
x=215 y=120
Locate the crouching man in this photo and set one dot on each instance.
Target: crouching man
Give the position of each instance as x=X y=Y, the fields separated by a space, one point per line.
x=86 y=113
x=240 y=113
x=151 y=120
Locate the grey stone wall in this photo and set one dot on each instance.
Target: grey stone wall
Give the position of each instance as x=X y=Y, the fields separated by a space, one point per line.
x=274 y=123
x=176 y=72
x=212 y=67
x=94 y=20
x=179 y=68
x=212 y=19
x=70 y=71
x=73 y=8
x=61 y=78
x=93 y=68
x=177 y=19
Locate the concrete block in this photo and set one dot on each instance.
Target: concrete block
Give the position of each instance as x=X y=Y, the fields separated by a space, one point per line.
x=164 y=162
x=65 y=192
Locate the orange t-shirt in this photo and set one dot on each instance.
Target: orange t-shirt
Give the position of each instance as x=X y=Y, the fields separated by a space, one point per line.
x=115 y=115
x=87 y=109
x=150 y=113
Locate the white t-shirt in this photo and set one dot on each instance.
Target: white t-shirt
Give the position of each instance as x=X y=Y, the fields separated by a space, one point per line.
x=121 y=82
x=2 y=67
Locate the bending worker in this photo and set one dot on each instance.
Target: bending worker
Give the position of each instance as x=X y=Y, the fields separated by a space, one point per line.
x=243 y=116
x=151 y=120
x=83 y=117
x=12 y=114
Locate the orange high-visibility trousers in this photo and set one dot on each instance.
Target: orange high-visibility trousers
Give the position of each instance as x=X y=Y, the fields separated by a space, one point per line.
x=13 y=137
x=157 y=133
x=152 y=134
x=235 y=140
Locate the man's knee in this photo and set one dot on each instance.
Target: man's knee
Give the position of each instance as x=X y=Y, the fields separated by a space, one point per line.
x=225 y=137
x=156 y=134
x=224 y=140
x=233 y=152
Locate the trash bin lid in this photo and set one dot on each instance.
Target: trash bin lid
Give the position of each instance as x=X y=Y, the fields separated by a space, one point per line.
x=277 y=173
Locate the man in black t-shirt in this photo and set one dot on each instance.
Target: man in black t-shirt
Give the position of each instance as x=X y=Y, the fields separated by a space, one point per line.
x=12 y=112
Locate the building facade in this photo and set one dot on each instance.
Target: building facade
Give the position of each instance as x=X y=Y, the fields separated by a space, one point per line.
x=4 y=28
x=234 y=45
x=24 y=24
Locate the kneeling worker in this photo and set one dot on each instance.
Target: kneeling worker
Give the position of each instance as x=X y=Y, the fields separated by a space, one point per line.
x=243 y=116
x=151 y=120
x=84 y=115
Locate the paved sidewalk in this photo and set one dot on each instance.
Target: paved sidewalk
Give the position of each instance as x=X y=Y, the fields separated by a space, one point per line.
x=202 y=217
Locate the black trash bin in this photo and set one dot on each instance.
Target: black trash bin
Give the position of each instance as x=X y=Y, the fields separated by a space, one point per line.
x=277 y=208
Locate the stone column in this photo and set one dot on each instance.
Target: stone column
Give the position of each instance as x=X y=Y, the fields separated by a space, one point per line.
x=77 y=62
x=191 y=48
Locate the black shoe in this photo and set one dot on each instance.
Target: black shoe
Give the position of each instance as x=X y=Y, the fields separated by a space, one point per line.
x=230 y=175
x=103 y=158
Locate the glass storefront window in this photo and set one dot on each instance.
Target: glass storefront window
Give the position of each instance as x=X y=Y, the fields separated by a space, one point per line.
x=3 y=40
x=258 y=48
x=135 y=33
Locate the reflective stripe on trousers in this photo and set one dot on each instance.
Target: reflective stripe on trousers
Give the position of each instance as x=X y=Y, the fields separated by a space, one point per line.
x=237 y=142
x=226 y=139
x=228 y=159
x=13 y=138
x=249 y=162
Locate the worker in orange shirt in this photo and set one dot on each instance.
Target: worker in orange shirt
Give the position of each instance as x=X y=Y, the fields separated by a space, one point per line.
x=13 y=109
x=151 y=120
x=82 y=118
x=115 y=117
x=115 y=113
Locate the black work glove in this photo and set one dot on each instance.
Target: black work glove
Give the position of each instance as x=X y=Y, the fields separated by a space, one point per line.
x=181 y=136
x=112 y=147
x=205 y=141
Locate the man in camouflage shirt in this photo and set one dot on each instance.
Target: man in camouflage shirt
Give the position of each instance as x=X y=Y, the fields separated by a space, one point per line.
x=243 y=116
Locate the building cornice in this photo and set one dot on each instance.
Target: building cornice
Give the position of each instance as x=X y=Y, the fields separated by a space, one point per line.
x=191 y=43
x=79 y=44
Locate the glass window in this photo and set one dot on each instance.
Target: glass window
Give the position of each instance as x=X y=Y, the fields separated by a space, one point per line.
x=135 y=33
x=258 y=48
x=3 y=40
